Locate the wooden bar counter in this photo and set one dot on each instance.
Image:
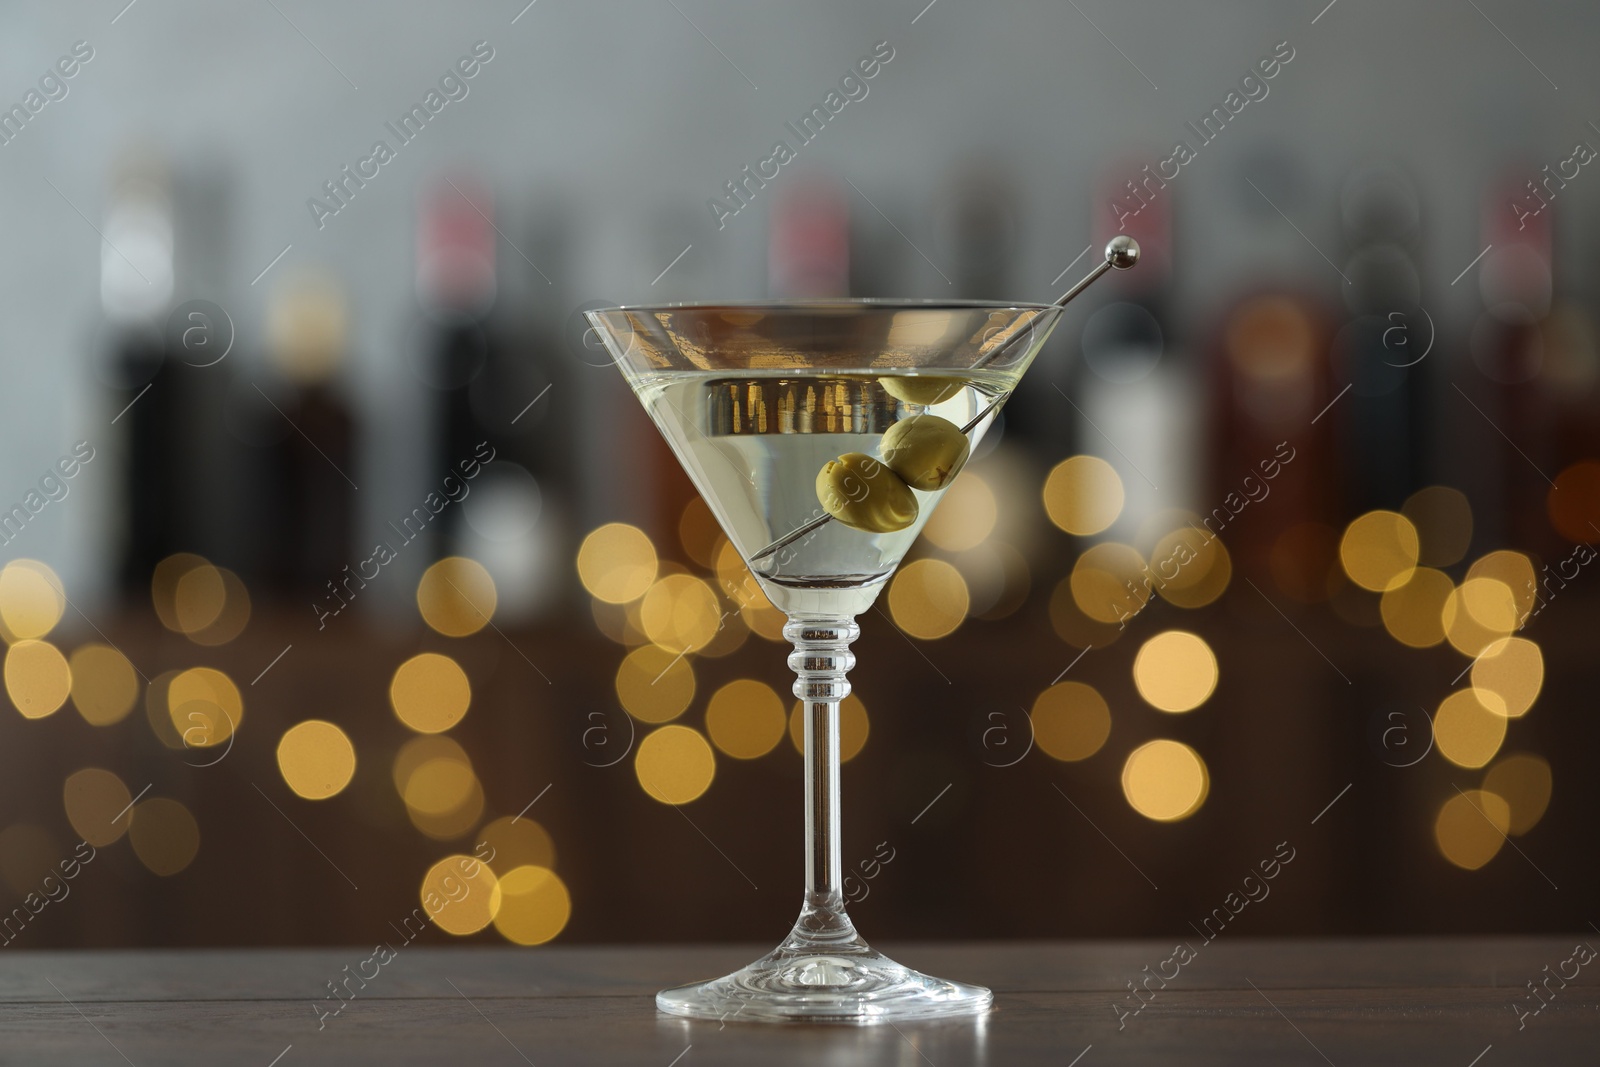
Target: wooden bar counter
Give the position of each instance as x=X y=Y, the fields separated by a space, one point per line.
x=1458 y=1002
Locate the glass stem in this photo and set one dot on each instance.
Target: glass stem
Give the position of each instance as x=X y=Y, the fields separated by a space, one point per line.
x=820 y=659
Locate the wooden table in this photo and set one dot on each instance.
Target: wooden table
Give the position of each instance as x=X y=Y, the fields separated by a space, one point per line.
x=1411 y=1002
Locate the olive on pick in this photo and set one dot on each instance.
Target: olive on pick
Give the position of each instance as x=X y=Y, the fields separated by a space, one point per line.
x=925 y=451
x=862 y=493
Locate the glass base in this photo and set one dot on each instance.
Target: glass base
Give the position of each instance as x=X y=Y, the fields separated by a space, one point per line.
x=825 y=972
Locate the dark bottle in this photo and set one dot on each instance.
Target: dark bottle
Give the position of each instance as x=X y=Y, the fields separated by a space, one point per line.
x=310 y=471
x=1515 y=280
x=1382 y=352
x=456 y=289
x=148 y=399
x=502 y=398
x=1273 y=487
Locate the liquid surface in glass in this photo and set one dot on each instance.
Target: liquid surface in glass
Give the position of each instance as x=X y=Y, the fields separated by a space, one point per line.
x=753 y=443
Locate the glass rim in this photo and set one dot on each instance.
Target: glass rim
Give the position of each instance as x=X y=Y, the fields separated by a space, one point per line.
x=805 y=303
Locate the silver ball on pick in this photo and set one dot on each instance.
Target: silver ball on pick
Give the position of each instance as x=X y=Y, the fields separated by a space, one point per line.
x=1122 y=252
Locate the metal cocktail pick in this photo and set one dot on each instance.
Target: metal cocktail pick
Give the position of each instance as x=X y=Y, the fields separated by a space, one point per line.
x=1122 y=252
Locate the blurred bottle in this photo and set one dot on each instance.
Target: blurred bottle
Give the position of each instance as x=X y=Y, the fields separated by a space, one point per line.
x=308 y=497
x=201 y=342
x=498 y=393
x=808 y=244
x=1516 y=283
x=1382 y=352
x=1273 y=483
x=1569 y=344
x=148 y=400
x=1131 y=401
x=975 y=227
x=456 y=287
x=1274 y=478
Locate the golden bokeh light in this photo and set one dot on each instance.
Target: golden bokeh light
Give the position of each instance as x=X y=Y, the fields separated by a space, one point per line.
x=164 y=580
x=615 y=622
x=1070 y=721
x=735 y=580
x=1073 y=626
x=1574 y=502
x=454 y=824
x=461 y=894
x=31 y=600
x=1379 y=550
x=164 y=836
x=928 y=599
x=998 y=579
x=430 y=692
x=1443 y=519
x=198 y=598
x=1413 y=613
x=1467 y=732
x=440 y=786
x=98 y=805
x=655 y=685
x=699 y=533
x=1175 y=671
x=745 y=718
x=435 y=779
x=234 y=616
x=617 y=563
x=854 y=727
x=1190 y=568
x=965 y=517
x=1471 y=826
x=1083 y=495
x=1491 y=603
x=1165 y=780
x=456 y=596
x=1462 y=628
x=680 y=613
x=204 y=706
x=517 y=841
x=741 y=587
x=1109 y=583
x=157 y=711
x=730 y=635
x=105 y=686
x=1524 y=781
x=765 y=621
x=1515 y=571
x=1508 y=676
x=534 y=905
x=38 y=678
x=316 y=759
x=675 y=764
x=419 y=750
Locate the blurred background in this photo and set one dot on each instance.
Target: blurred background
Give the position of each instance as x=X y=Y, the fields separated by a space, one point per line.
x=334 y=548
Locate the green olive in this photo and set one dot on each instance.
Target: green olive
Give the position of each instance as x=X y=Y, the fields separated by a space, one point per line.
x=921 y=389
x=925 y=451
x=862 y=493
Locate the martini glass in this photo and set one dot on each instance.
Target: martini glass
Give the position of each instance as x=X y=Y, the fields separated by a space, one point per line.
x=754 y=399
